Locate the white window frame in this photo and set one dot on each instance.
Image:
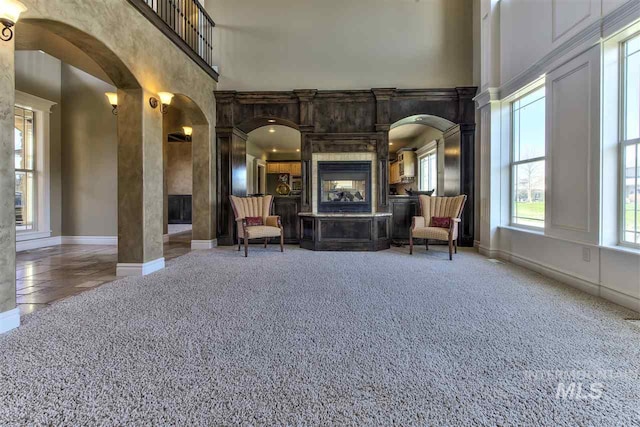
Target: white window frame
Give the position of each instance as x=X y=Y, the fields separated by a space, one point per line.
x=623 y=144
x=507 y=200
x=430 y=149
x=41 y=110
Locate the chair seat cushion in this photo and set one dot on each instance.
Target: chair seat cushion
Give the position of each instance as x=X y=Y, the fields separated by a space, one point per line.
x=436 y=233
x=259 y=231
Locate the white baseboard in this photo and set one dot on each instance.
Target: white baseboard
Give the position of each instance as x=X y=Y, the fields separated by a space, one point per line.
x=489 y=253
x=571 y=280
x=620 y=298
x=552 y=272
x=203 y=244
x=134 y=269
x=9 y=320
x=90 y=240
x=26 y=245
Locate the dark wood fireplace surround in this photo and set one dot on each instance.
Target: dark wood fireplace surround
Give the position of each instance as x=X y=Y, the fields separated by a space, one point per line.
x=339 y=122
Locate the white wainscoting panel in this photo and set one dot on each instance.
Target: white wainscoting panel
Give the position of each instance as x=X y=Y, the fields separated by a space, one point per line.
x=569 y=17
x=621 y=271
x=573 y=149
x=609 y=6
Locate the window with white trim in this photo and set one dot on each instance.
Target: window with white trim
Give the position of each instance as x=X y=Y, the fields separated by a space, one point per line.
x=630 y=144
x=528 y=158
x=31 y=159
x=25 y=170
x=429 y=172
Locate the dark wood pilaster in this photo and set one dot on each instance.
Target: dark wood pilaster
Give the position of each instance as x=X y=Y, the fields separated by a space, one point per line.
x=306 y=127
x=467 y=182
x=232 y=178
x=383 y=108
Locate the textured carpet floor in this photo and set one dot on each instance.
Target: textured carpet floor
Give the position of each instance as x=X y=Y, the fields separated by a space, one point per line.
x=324 y=338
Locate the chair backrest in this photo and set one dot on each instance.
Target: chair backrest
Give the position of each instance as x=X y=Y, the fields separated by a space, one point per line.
x=251 y=206
x=449 y=207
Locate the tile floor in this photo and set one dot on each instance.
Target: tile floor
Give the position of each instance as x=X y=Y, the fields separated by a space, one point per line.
x=46 y=275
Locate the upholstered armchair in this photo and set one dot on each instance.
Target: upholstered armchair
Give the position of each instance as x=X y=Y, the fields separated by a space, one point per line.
x=439 y=221
x=253 y=220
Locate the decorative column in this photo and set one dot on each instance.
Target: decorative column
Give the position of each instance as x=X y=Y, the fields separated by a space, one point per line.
x=490 y=171
x=232 y=179
x=307 y=127
x=140 y=185
x=204 y=187
x=9 y=313
x=467 y=118
x=383 y=125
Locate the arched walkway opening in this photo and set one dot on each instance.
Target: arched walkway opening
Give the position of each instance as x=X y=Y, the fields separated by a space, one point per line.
x=187 y=159
x=97 y=172
x=417 y=154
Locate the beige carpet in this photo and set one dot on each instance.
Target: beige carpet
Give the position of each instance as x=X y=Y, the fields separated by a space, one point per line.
x=305 y=338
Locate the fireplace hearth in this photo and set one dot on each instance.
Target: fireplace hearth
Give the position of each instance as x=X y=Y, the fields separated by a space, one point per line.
x=344 y=187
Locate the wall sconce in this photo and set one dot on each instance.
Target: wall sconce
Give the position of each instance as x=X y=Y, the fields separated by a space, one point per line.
x=113 y=100
x=10 y=11
x=188 y=131
x=165 y=101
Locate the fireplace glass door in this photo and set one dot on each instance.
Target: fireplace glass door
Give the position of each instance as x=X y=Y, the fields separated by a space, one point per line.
x=344 y=186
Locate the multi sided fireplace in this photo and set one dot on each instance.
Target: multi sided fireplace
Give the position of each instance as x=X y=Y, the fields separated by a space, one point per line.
x=344 y=187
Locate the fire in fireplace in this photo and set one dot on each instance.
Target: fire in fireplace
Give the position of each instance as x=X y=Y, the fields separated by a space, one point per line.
x=344 y=186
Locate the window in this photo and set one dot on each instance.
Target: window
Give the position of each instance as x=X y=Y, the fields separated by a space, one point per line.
x=528 y=159
x=429 y=172
x=25 y=166
x=630 y=144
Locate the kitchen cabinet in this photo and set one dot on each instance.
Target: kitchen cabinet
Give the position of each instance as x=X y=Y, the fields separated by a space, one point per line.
x=406 y=163
x=288 y=207
x=179 y=207
x=292 y=168
x=403 y=209
x=273 y=167
x=296 y=169
x=394 y=173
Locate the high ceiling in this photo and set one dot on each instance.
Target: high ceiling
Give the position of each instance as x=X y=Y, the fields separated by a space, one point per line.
x=283 y=140
x=411 y=134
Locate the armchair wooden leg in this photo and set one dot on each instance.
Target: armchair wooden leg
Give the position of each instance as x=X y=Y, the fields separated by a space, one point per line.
x=410 y=242
x=450 y=249
x=238 y=243
x=246 y=247
x=265 y=242
x=426 y=243
x=281 y=241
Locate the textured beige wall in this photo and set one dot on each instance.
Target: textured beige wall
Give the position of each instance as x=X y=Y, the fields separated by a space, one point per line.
x=343 y=44
x=39 y=74
x=89 y=156
x=141 y=62
x=179 y=168
x=7 y=179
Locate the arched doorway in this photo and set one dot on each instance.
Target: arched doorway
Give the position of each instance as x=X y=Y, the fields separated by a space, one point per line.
x=421 y=158
x=66 y=124
x=187 y=160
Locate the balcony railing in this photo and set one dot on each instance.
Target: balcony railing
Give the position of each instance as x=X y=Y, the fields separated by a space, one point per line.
x=187 y=24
